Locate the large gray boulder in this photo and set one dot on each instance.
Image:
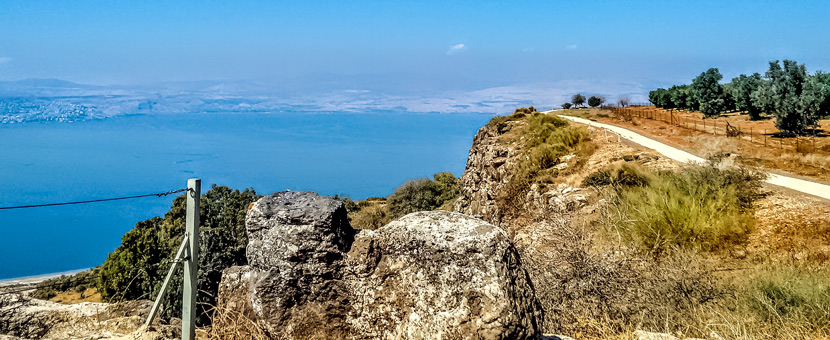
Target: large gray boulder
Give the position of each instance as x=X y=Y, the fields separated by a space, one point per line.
x=428 y=275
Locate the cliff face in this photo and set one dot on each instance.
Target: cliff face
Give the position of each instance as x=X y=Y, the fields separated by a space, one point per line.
x=489 y=168
x=536 y=216
x=487 y=190
x=427 y=275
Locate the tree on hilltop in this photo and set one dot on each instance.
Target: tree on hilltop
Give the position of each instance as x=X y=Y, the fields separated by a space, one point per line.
x=566 y=106
x=623 y=101
x=595 y=101
x=578 y=100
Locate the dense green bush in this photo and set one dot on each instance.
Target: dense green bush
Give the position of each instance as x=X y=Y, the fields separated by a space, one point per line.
x=619 y=175
x=423 y=194
x=419 y=194
x=136 y=269
x=698 y=207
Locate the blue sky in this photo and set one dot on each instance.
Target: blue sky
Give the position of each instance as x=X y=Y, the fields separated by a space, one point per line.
x=490 y=43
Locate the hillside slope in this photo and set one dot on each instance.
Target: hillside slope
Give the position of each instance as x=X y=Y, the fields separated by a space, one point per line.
x=595 y=282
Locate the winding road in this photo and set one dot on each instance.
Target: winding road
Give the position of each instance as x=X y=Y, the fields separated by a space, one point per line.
x=807 y=187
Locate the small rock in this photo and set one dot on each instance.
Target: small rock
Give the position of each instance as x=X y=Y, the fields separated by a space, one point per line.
x=643 y=335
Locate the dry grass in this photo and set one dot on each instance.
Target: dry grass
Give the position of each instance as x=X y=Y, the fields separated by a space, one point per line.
x=595 y=285
x=71 y=296
x=228 y=324
x=373 y=215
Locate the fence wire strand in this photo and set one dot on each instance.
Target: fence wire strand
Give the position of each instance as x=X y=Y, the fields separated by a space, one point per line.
x=160 y=194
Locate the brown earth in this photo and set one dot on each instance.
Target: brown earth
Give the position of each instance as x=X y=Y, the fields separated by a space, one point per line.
x=790 y=225
x=70 y=297
x=757 y=145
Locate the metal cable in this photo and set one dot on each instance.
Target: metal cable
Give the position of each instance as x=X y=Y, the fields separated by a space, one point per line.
x=161 y=194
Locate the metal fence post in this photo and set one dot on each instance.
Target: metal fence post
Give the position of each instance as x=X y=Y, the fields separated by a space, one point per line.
x=191 y=266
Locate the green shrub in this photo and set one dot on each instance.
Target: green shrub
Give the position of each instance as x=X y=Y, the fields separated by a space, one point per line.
x=79 y=282
x=791 y=295
x=699 y=207
x=619 y=175
x=423 y=194
x=136 y=269
x=544 y=157
x=523 y=111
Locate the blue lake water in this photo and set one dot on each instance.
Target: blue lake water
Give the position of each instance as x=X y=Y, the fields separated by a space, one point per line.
x=357 y=155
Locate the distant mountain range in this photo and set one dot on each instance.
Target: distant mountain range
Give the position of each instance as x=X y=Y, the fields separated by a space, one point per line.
x=58 y=100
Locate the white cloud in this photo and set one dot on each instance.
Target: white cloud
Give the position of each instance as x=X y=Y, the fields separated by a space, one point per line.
x=571 y=47
x=5 y=60
x=456 y=48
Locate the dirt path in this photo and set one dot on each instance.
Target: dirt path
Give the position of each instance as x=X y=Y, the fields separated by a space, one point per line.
x=807 y=187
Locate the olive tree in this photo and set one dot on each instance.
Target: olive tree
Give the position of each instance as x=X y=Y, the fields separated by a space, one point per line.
x=578 y=100
x=709 y=92
x=794 y=97
x=595 y=101
x=742 y=88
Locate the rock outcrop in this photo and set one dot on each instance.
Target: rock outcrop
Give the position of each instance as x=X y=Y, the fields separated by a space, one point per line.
x=26 y=318
x=489 y=168
x=492 y=164
x=428 y=275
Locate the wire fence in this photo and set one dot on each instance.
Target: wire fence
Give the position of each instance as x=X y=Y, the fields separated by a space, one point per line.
x=767 y=137
x=16 y=288
x=160 y=194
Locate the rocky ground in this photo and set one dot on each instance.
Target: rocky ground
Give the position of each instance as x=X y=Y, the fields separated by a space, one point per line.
x=26 y=318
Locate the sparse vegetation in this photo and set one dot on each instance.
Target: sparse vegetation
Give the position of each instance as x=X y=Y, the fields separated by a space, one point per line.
x=700 y=207
x=623 y=101
x=547 y=139
x=79 y=283
x=783 y=296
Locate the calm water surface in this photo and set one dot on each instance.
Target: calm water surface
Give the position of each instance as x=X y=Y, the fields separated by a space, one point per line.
x=357 y=155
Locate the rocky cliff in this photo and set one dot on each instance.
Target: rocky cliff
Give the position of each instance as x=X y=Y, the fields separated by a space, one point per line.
x=427 y=275
x=489 y=168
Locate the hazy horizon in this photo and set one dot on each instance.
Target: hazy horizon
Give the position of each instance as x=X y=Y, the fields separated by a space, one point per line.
x=463 y=46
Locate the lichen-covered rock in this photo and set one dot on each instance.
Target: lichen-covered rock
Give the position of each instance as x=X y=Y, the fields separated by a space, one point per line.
x=441 y=275
x=297 y=242
x=428 y=275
